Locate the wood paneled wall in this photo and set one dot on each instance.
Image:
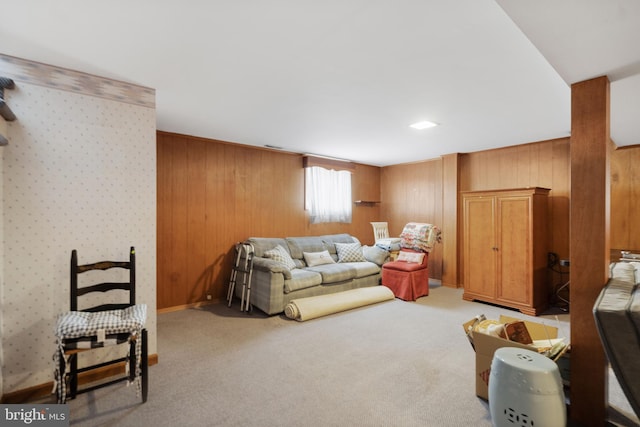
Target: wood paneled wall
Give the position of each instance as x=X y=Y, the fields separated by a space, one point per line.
x=625 y=198
x=541 y=164
x=212 y=194
x=413 y=193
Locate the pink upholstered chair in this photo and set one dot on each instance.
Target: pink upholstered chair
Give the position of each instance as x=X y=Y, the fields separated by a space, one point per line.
x=407 y=276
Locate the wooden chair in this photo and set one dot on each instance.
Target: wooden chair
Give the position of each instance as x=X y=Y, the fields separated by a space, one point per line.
x=380 y=230
x=96 y=326
x=381 y=234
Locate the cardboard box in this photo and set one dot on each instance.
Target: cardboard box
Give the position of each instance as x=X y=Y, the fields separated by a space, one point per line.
x=485 y=345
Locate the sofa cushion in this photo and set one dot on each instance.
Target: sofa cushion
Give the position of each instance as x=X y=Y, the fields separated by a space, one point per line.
x=263 y=244
x=334 y=273
x=302 y=279
x=317 y=258
x=375 y=254
x=299 y=245
x=330 y=241
x=349 y=252
x=269 y=265
x=364 y=269
x=280 y=255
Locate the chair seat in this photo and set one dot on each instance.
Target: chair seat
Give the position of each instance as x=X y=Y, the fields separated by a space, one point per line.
x=92 y=342
x=403 y=266
x=77 y=324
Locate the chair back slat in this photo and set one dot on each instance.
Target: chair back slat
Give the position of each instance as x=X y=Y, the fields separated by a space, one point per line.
x=104 y=287
x=104 y=265
x=129 y=286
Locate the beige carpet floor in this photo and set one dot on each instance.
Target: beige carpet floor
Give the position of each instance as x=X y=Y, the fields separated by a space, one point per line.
x=394 y=363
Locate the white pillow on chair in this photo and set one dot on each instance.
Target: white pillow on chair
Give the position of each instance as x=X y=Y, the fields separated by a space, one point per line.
x=411 y=257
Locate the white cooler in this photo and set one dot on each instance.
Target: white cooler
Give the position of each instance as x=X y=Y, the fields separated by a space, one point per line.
x=525 y=389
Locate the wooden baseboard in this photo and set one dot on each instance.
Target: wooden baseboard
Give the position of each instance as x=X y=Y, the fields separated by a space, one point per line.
x=187 y=306
x=451 y=285
x=43 y=390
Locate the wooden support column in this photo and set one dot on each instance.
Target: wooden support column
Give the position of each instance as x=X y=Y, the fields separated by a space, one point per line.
x=450 y=190
x=589 y=245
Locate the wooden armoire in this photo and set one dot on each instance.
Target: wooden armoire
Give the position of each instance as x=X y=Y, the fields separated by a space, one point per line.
x=505 y=248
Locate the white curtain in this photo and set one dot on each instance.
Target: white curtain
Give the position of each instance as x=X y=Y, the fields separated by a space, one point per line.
x=328 y=195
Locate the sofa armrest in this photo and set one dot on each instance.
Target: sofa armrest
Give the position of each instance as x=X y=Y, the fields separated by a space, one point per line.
x=269 y=265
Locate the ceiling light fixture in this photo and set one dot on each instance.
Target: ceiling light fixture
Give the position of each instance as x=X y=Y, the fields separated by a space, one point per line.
x=423 y=125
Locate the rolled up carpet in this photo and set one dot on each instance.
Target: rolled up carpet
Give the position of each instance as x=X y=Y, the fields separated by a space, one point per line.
x=302 y=309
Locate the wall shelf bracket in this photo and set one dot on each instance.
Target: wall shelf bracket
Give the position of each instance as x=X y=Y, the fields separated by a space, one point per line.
x=5 y=112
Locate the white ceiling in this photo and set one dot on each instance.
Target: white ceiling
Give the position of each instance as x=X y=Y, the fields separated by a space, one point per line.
x=345 y=78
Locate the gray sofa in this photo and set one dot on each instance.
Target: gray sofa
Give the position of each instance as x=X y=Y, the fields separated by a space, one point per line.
x=274 y=284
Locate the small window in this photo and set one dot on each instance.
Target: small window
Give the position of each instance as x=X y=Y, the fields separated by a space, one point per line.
x=328 y=194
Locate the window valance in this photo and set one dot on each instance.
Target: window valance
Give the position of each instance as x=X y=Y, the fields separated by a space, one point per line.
x=328 y=163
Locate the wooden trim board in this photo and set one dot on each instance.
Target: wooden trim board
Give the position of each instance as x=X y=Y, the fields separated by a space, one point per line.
x=40 y=391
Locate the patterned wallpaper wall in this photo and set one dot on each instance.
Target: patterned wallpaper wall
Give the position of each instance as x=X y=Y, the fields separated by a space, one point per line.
x=1 y=265
x=79 y=173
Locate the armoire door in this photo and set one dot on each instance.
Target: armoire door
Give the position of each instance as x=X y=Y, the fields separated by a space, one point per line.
x=479 y=247
x=513 y=226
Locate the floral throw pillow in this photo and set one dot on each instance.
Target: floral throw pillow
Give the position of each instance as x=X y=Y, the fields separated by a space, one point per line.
x=350 y=252
x=281 y=255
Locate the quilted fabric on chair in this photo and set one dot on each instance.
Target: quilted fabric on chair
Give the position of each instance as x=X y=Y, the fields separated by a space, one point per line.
x=408 y=279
